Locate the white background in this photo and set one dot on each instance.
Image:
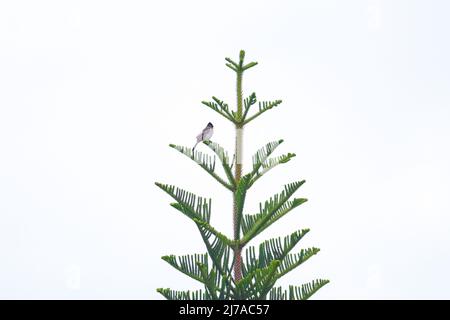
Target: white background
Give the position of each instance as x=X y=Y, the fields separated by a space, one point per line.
x=92 y=93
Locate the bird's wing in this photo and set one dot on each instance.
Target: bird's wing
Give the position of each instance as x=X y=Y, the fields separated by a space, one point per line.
x=200 y=137
x=207 y=133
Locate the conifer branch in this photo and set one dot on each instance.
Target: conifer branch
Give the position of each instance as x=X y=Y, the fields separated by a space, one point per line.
x=248 y=102
x=224 y=159
x=302 y=292
x=208 y=280
x=204 y=161
x=270 y=164
x=182 y=295
x=221 y=109
x=272 y=249
x=263 y=107
x=260 y=157
x=188 y=203
x=273 y=209
x=188 y=264
x=206 y=226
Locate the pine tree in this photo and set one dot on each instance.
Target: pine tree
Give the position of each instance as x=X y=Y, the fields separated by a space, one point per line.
x=221 y=269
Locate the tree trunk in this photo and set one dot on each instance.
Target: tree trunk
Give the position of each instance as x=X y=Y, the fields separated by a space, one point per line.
x=238 y=174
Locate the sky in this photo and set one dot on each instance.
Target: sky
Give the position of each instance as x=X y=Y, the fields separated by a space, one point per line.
x=93 y=92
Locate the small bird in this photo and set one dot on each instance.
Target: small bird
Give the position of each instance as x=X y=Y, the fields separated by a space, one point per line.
x=205 y=135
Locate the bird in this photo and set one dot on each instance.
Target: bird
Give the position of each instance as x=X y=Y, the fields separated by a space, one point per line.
x=206 y=134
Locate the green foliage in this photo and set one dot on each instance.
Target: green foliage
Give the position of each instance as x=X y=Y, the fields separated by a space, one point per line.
x=272 y=210
x=239 y=67
x=188 y=203
x=218 y=247
x=262 y=265
x=225 y=160
x=248 y=102
x=273 y=249
x=205 y=161
x=263 y=107
x=302 y=292
x=271 y=163
x=262 y=163
x=183 y=295
x=292 y=261
x=188 y=264
x=241 y=192
x=256 y=284
x=206 y=226
x=220 y=107
x=263 y=153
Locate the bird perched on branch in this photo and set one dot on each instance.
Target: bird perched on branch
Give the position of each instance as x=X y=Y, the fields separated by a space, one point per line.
x=206 y=134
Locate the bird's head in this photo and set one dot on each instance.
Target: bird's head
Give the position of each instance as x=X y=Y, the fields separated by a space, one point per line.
x=210 y=125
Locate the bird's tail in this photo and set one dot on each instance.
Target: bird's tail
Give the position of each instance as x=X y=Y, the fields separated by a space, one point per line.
x=194 y=148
